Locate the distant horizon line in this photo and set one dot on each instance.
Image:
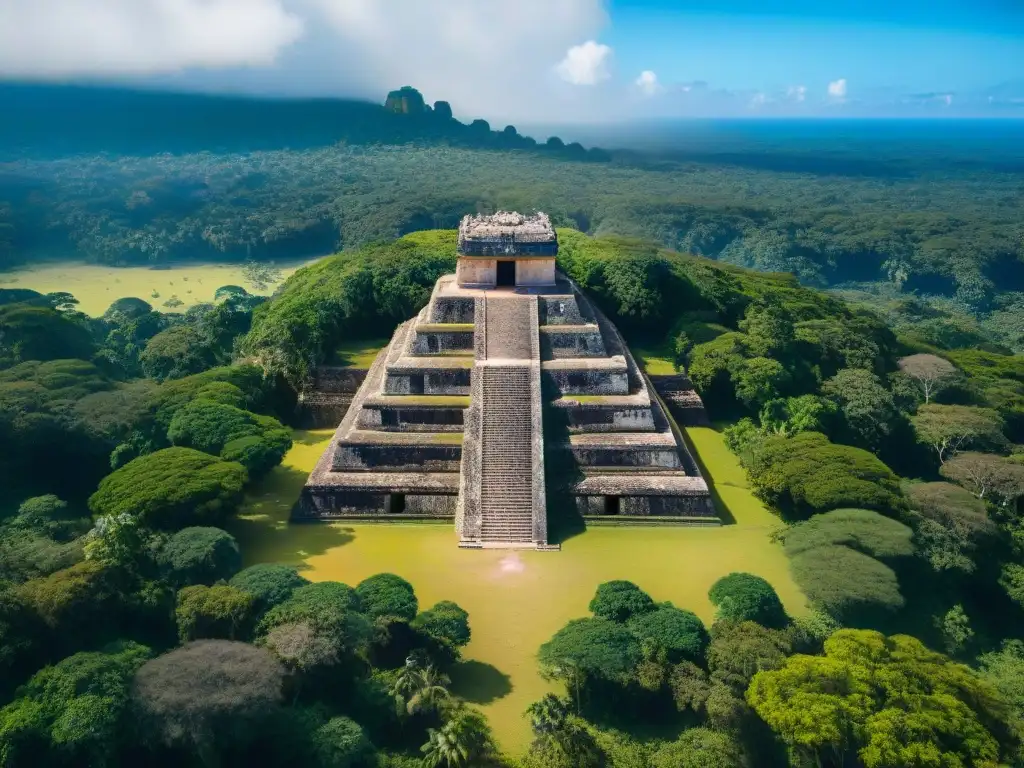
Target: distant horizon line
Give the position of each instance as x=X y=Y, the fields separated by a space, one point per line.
x=168 y=90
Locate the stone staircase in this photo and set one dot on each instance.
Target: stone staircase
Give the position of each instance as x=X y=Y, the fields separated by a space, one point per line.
x=508 y=329
x=506 y=472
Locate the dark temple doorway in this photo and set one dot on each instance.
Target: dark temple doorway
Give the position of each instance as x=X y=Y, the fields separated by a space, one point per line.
x=506 y=273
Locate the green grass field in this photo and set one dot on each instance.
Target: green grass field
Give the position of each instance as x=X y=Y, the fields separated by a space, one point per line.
x=657 y=361
x=97 y=286
x=517 y=600
x=357 y=353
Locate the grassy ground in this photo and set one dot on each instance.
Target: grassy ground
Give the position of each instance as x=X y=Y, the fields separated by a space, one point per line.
x=516 y=601
x=97 y=286
x=357 y=353
x=657 y=361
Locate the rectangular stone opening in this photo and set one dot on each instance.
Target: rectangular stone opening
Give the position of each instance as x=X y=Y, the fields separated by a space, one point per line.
x=612 y=505
x=396 y=503
x=506 y=273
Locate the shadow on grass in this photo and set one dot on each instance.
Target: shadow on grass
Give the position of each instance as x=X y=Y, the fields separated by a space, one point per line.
x=724 y=513
x=561 y=474
x=311 y=436
x=264 y=532
x=478 y=682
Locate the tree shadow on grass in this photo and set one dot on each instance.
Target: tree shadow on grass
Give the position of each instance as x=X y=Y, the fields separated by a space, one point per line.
x=263 y=529
x=311 y=436
x=478 y=682
x=721 y=507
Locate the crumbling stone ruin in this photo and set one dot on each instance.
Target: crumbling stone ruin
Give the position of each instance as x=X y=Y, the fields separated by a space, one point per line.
x=508 y=388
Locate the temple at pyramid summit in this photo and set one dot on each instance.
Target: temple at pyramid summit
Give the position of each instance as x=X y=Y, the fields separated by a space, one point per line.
x=508 y=394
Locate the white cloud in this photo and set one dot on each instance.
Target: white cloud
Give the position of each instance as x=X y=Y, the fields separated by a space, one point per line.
x=486 y=57
x=58 y=38
x=837 y=89
x=648 y=82
x=758 y=100
x=585 y=64
x=796 y=92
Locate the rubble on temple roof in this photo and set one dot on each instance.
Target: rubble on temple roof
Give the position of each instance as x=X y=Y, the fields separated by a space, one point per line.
x=506 y=224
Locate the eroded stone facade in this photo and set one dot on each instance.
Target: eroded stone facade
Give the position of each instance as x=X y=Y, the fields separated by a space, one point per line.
x=450 y=419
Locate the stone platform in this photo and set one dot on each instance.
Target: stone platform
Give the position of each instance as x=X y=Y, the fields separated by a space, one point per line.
x=449 y=423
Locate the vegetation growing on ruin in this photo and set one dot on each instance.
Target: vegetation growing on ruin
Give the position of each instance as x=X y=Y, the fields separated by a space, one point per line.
x=898 y=516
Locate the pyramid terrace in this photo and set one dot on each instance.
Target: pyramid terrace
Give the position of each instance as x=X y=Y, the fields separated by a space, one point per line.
x=508 y=391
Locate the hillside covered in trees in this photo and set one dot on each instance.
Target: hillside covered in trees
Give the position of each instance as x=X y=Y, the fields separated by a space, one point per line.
x=130 y=633
x=235 y=178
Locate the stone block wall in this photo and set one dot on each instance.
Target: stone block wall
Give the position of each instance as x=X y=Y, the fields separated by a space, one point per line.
x=597 y=381
x=560 y=344
x=560 y=310
x=648 y=506
x=452 y=309
x=662 y=458
x=448 y=381
x=434 y=342
x=397 y=457
x=328 y=378
x=473 y=270
x=317 y=504
x=535 y=272
x=410 y=419
x=597 y=418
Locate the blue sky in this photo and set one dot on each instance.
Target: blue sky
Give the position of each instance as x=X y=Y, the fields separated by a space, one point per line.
x=740 y=44
x=550 y=60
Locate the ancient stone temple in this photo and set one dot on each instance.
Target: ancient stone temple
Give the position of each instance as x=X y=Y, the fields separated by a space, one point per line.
x=508 y=393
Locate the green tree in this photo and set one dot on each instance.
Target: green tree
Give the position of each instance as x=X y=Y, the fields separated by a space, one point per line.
x=560 y=738
x=867 y=407
x=219 y=612
x=175 y=353
x=32 y=332
x=1004 y=670
x=199 y=555
x=330 y=608
x=806 y=413
x=738 y=650
x=825 y=707
x=73 y=711
x=387 y=595
x=445 y=621
x=680 y=633
x=806 y=474
x=342 y=743
x=620 y=601
x=1011 y=579
x=955 y=628
x=769 y=330
x=115 y=541
x=464 y=740
x=589 y=648
x=270 y=584
x=171 y=488
x=951 y=524
x=948 y=429
x=426 y=690
x=746 y=597
x=759 y=380
x=699 y=748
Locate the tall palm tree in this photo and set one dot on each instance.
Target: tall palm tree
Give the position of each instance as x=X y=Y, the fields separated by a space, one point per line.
x=407 y=682
x=462 y=741
x=430 y=693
